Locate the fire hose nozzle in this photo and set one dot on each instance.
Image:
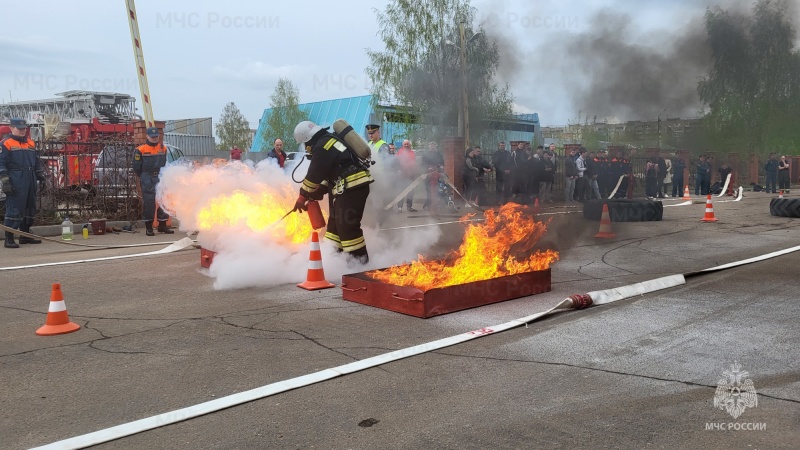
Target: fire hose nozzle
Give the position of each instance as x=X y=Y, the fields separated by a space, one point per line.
x=580 y=301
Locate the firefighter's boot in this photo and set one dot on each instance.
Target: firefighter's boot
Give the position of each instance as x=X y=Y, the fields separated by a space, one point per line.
x=10 y=240
x=162 y=227
x=149 y=229
x=360 y=256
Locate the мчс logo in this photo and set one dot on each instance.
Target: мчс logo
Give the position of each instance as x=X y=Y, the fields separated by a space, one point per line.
x=735 y=392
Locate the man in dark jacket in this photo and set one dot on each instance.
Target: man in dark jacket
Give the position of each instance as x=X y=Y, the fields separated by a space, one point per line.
x=20 y=168
x=336 y=170
x=485 y=167
x=702 y=177
x=771 y=170
x=504 y=173
x=277 y=153
x=547 y=178
x=148 y=160
x=678 y=167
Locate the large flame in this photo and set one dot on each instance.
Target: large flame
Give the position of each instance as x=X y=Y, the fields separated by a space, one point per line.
x=502 y=245
x=225 y=197
x=261 y=212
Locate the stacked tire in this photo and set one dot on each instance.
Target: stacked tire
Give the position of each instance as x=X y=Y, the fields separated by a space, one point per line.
x=623 y=210
x=785 y=207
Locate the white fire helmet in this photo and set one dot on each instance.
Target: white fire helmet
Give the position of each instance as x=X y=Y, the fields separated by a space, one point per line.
x=305 y=130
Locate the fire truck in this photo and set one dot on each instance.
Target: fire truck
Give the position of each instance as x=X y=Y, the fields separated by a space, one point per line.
x=69 y=124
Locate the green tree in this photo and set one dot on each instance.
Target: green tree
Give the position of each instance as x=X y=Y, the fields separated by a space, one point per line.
x=284 y=117
x=420 y=68
x=753 y=88
x=232 y=129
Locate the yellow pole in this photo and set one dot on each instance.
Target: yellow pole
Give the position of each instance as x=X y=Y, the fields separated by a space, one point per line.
x=138 y=55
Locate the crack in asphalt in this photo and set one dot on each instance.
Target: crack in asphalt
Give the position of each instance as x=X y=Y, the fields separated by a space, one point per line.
x=90 y=341
x=264 y=338
x=253 y=328
x=603 y=258
x=608 y=371
x=308 y=338
x=333 y=349
x=93 y=346
x=76 y=316
x=95 y=329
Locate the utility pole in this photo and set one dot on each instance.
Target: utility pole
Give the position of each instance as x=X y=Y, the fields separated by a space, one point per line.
x=464 y=97
x=658 y=129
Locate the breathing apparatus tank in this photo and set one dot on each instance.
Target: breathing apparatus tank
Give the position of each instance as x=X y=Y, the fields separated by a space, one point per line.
x=353 y=140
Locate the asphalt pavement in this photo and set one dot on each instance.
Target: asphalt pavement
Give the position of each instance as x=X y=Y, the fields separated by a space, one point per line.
x=639 y=373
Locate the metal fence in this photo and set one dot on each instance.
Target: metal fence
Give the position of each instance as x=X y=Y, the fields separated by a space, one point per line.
x=88 y=180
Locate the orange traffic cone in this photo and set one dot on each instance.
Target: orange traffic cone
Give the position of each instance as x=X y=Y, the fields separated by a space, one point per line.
x=709 y=217
x=57 y=321
x=315 y=279
x=686 y=195
x=780 y=195
x=605 y=225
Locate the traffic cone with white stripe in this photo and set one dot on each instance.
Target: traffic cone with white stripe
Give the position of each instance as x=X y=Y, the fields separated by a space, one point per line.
x=686 y=195
x=57 y=321
x=781 y=194
x=605 y=225
x=709 y=217
x=315 y=279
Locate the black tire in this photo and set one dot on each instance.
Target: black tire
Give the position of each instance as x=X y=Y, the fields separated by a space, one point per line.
x=785 y=207
x=624 y=210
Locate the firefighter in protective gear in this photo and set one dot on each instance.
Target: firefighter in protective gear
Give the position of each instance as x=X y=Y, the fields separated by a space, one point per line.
x=148 y=159
x=335 y=169
x=20 y=169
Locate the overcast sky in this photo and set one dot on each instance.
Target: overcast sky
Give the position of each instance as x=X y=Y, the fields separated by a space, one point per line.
x=202 y=54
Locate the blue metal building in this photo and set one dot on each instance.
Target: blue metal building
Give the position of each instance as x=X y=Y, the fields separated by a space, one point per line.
x=360 y=111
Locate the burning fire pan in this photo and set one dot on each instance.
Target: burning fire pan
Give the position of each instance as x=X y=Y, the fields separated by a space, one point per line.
x=206 y=257
x=361 y=288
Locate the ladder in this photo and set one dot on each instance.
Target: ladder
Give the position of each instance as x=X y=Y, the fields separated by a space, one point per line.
x=138 y=55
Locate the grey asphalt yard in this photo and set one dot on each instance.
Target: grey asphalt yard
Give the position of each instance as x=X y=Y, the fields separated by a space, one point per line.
x=638 y=373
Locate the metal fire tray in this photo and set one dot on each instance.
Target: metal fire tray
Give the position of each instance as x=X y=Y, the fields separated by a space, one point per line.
x=360 y=288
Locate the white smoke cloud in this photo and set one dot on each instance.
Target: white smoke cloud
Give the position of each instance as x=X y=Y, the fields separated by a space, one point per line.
x=251 y=253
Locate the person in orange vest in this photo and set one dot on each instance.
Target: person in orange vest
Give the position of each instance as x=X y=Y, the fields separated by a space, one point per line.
x=148 y=159
x=20 y=168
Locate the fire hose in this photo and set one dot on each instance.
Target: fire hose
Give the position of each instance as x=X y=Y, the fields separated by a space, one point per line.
x=578 y=301
x=173 y=247
x=87 y=246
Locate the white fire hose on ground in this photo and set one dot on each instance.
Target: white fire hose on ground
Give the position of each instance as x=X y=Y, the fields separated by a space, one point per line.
x=77 y=244
x=578 y=301
x=172 y=247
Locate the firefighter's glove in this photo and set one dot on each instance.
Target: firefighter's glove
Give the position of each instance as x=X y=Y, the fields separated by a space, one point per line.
x=300 y=204
x=6 y=185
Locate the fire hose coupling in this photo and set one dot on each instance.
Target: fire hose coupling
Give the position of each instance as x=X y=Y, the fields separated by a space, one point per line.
x=580 y=301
